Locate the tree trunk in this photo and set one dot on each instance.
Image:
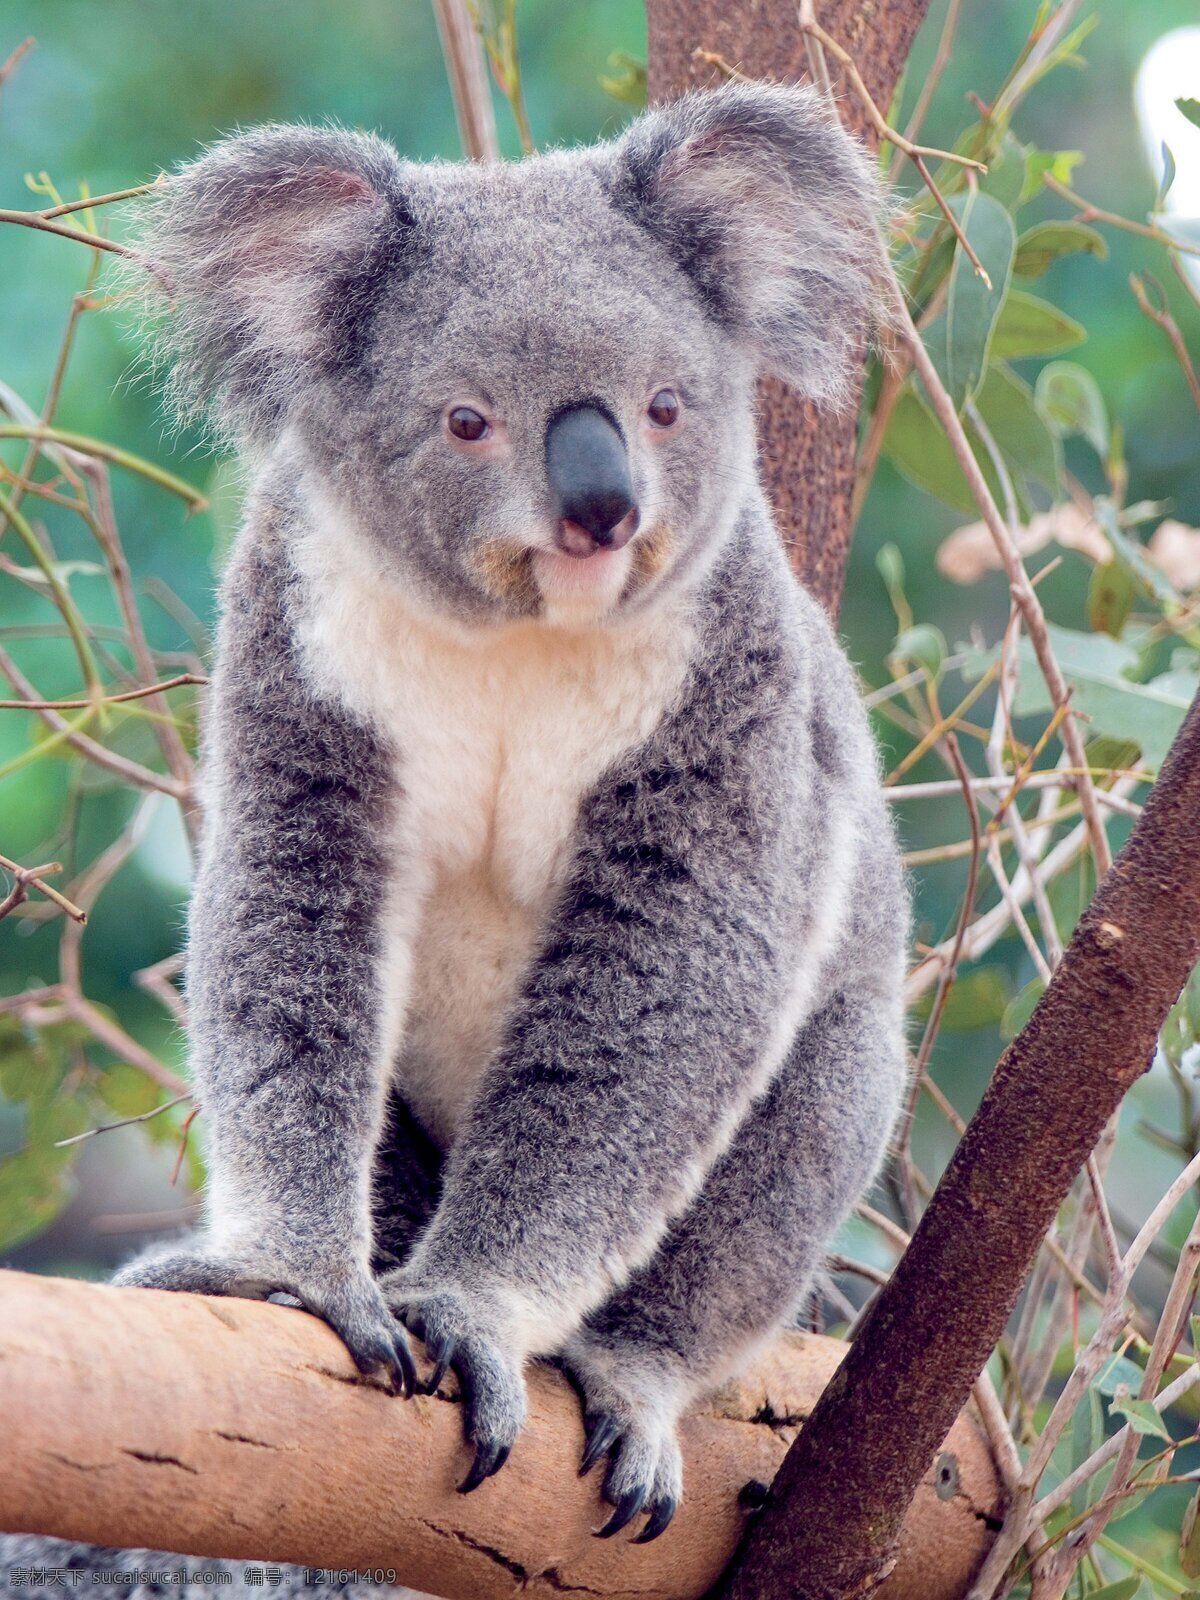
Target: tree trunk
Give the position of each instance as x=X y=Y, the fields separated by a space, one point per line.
x=237 y=1429
x=839 y=1499
x=806 y=456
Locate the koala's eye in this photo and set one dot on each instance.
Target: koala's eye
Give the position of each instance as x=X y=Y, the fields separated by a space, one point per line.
x=663 y=410
x=465 y=422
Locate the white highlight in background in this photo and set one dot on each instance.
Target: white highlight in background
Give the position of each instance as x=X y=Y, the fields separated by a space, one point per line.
x=1170 y=71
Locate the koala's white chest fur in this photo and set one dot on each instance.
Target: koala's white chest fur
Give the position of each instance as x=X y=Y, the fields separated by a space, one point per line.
x=499 y=735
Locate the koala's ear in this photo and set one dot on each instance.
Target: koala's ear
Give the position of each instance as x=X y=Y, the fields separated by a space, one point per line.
x=270 y=245
x=772 y=209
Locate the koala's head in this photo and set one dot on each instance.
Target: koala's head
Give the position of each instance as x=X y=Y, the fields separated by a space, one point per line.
x=529 y=387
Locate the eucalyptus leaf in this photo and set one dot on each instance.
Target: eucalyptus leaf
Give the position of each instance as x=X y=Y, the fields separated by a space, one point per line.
x=978 y=999
x=1122 y=1589
x=1019 y=1010
x=1060 y=164
x=922 y=645
x=1168 y=176
x=1111 y=592
x=1029 y=446
x=1040 y=246
x=960 y=338
x=1094 y=666
x=1143 y=1417
x=1069 y=397
x=1028 y=326
x=1118 y=1370
x=1189 y=1538
x=917 y=446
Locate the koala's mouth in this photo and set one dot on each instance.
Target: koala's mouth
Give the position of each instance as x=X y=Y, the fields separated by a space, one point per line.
x=544 y=580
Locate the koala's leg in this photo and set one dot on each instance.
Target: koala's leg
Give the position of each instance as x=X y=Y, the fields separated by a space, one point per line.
x=287 y=992
x=739 y=1261
x=408 y=1181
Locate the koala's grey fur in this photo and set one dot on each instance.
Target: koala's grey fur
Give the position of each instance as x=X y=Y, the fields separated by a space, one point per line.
x=699 y=1057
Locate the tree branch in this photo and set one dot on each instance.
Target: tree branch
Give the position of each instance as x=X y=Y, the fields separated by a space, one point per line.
x=806 y=456
x=929 y=1333
x=237 y=1429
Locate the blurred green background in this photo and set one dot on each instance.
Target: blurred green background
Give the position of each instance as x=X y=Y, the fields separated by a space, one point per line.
x=112 y=94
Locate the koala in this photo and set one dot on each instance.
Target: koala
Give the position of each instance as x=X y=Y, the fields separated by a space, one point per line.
x=545 y=958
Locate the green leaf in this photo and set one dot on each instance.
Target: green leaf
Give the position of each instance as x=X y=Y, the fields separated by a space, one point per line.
x=1143 y=1418
x=1060 y=164
x=1030 y=448
x=1004 y=179
x=1191 y=110
x=1111 y=754
x=1087 y=1434
x=1044 y=244
x=916 y=445
x=627 y=82
x=1019 y=1010
x=1189 y=1533
x=127 y=1091
x=1116 y=1371
x=1123 y=1589
x=1094 y=666
x=1110 y=598
x=1149 y=579
x=889 y=563
x=1028 y=326
x=34 y=1061
x=1168 y=176
x=959 y=340
x=1069 y=397
x=977 y=1000
x=923 y=645
x=33 y=1190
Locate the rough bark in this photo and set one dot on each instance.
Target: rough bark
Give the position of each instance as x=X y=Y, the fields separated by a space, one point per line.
x=230 y=1428
x=839 y=1499
x=807 y=456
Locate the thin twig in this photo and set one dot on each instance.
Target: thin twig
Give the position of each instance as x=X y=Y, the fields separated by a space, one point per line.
x=26 y=878
x=467 y=72
x=15 y=59
x=1023 y=591
x=177 y=682
x=1161 y=316
x=125 y=1122
x=1090 y=213
x=929 y=87
x=121 y=766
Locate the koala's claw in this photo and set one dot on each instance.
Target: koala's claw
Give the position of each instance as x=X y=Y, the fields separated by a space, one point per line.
x=628 y=1506
x=601 y=1433
x=489 y=1458
x=350 y=1304
x=661 y=1513
x=456 y=1335
x=626 y=1420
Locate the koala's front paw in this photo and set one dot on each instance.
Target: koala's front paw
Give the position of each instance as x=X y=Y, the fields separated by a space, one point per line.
x=464 y=1336
x=347 y=1299
x=629 y=1415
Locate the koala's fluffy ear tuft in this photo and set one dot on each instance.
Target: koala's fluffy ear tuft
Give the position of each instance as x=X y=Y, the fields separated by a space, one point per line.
x=270 y=244
x=773 y=210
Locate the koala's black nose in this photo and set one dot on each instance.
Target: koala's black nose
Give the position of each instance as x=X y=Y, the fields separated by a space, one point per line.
x=588 y=468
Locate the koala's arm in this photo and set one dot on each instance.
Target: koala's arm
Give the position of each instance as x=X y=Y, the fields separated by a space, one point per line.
x=683 y=954
x=284 y=950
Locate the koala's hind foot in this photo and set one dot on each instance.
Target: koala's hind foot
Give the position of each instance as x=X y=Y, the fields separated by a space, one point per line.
x=630 y=1411
x=345 y=1297
x=464 y=1335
